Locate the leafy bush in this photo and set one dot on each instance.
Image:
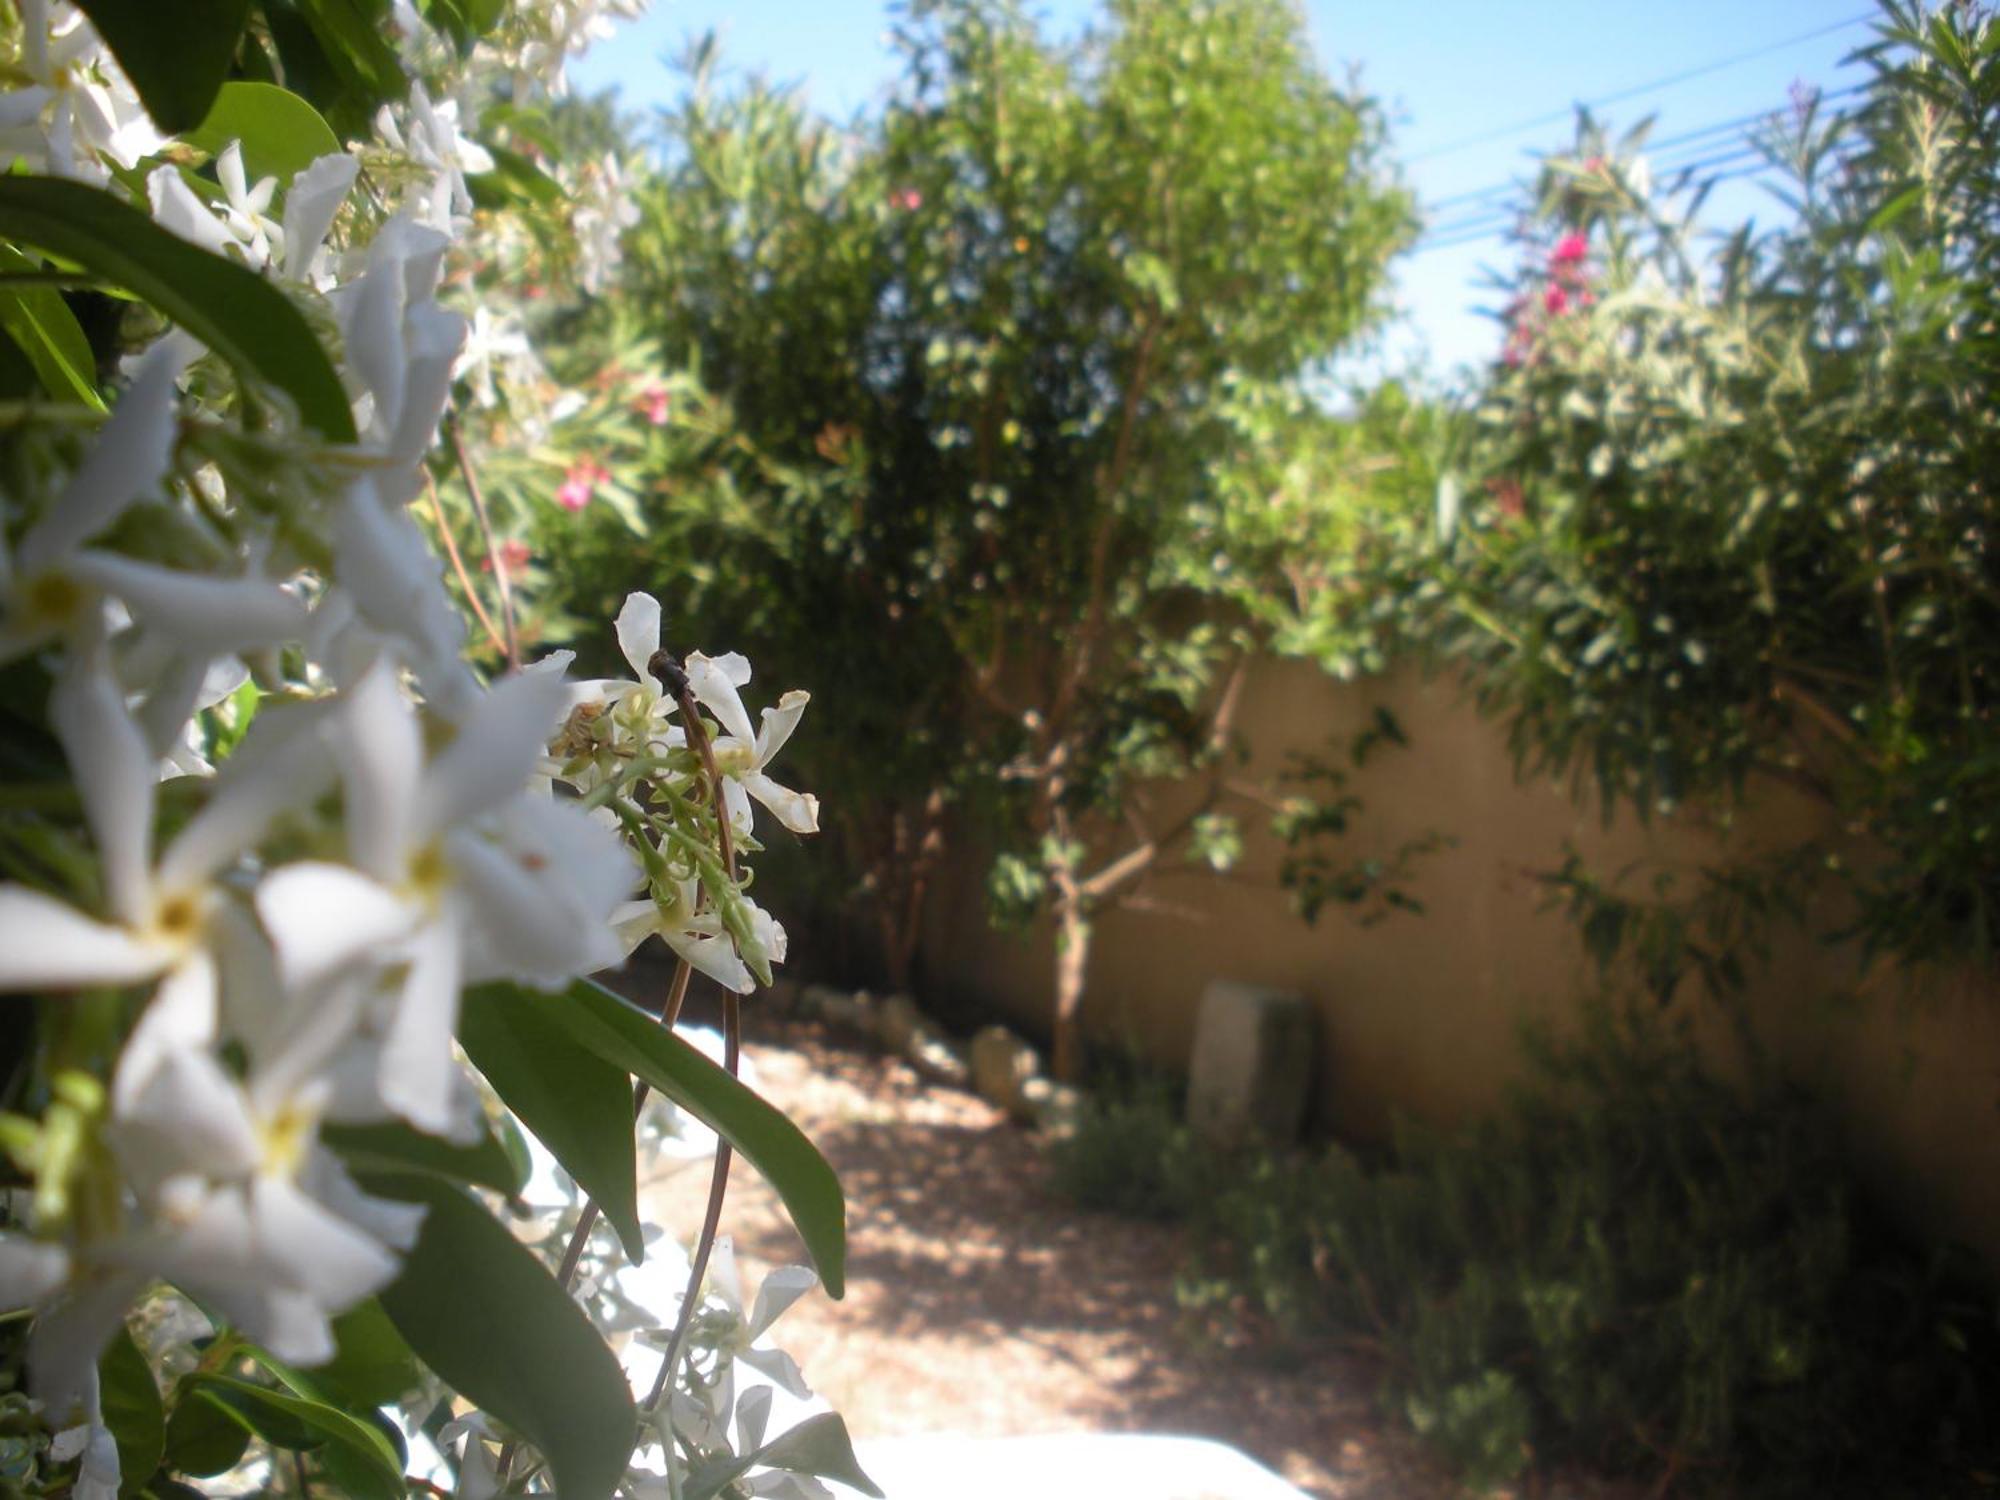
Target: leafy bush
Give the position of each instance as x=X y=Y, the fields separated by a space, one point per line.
x=1729 y=512
x=1131 y=1154
x=1633 y=1264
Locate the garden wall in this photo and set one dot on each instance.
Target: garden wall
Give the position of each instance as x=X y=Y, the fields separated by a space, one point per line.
x=1420 y=1013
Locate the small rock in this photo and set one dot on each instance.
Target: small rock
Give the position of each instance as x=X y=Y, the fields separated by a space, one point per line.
x=897 y=1021
x=937 y=1057
x=1001 y=1065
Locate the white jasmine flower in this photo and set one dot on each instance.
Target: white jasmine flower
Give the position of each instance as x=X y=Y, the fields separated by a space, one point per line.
x=78 y=110
x=498 y=880
x=700 y=936
x=163 y=913
x=742 y=765
x=54 y=584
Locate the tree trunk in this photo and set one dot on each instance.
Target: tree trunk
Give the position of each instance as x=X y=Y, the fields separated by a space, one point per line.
x=1072 y=964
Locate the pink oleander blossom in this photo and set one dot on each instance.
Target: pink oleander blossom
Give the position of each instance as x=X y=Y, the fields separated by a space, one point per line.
x=580 y=484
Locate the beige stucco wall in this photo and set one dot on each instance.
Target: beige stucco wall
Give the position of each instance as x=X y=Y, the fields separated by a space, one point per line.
x=1421 y=1013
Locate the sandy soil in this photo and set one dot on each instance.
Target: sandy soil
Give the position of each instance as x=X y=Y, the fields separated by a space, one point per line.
x=981 y=1303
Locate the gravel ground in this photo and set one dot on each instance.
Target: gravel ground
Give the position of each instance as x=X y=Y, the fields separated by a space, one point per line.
x=981 y=1303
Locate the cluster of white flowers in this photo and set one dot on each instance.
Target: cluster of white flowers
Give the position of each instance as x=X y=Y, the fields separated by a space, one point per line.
x=291 y=928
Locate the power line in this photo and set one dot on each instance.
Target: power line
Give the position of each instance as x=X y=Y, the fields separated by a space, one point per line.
x=1707 y=152
x=1556 y=117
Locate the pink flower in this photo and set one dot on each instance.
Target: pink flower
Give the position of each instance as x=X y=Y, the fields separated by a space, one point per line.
x=514 y=555
x=1556 y=301
x=909 y=200
x=1570 y=249
x=655 y=404
x=580 y=484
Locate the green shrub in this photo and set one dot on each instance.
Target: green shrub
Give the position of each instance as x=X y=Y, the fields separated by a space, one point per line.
x=1130 y=1154
x=1632 y=1265
x=1640 y=1266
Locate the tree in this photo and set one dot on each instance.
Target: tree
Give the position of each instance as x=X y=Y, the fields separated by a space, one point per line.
x=997 y=367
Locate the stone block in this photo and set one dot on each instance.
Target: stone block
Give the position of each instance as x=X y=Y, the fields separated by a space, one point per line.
x=838 y=1008
x=897 y=1022
x=1001 y=1065
x=1252 y=1064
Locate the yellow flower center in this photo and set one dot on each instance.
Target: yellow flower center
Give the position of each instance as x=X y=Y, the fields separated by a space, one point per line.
x=429 y=873
x=286 y=1138
x=180 y=920
x=53 y=598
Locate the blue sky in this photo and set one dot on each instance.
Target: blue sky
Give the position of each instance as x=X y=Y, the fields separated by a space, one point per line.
x=1454 y=74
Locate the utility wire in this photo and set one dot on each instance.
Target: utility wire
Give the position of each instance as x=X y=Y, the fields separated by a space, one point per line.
x=1705 y=152
x=1701 y=133
x=1557 y=116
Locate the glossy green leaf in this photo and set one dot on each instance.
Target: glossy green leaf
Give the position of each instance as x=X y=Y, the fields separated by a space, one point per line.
x=205 y=1435
x=281 y=133
x=487 y=1316
x=578 y=1104
x=132 y=1407
x=279 y=1417
x=231 y=309
x=372 y=1364
x=398 y=1147
x=175 y=54
x=514 y=177
x=621 y=1033
x=818 y=1446
x=355 y=47
x=37 y=318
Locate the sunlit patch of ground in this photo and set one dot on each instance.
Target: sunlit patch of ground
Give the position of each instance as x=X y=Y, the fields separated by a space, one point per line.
x=981 y=1303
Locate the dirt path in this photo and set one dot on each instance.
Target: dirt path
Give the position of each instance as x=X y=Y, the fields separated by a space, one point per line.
x=981 y=1303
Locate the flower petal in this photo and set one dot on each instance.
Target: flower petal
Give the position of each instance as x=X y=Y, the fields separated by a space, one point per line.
x=114 y=771
x=779 y=723
x=638 y=627
x=48 y=944
x=381 y=767
x=714 y=681
x=502 y=738
x=311 y=203
x=780 y=1290
x=128 y=459
x=798 y=811
x=202 y=615
x=417 y=1064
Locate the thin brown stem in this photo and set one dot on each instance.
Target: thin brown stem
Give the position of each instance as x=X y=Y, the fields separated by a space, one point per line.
x=458 y=567
x=732 y=1046
x=513 y=645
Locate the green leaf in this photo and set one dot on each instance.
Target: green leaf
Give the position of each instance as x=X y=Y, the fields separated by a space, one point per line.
x=37 y=318
x=819 y=1446
x=487 y=1316
x=279 y=1417
x=132 y=1408
x=514 y=177
x=372 y=1364
x=205 y=1435
x=231 y=309
x=396 y=1147
x=356 y=49
x=281 y=133
x=176 y=55
x=623 y=1034
x=576 y=1103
